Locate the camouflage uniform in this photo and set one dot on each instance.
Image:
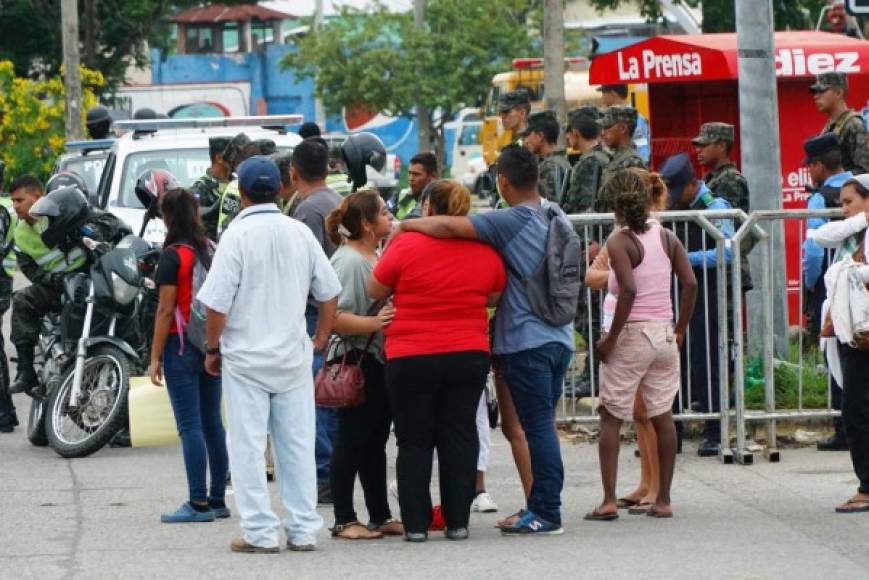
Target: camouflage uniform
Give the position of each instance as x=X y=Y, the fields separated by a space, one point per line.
x=848 y=127
x=554 y=170
x=230 y=198
x=585 y=180
x=506 y=102
x=209 y=191
x=623 y=157
x=725 y=180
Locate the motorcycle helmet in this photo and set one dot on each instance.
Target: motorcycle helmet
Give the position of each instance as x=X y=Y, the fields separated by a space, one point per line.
x=66 y=179
x=359 y=150
x=150 y=187
x=98 y=122
x=65 y=208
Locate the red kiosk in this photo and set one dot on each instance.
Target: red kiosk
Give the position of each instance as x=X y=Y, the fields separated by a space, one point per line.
x=692 y=79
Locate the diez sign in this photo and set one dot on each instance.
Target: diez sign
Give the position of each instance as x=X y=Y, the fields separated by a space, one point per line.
x=650 y=66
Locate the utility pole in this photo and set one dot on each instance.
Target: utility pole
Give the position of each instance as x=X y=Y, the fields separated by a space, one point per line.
x=422 y=119
x=759 y=144
x=319 y=112
x=72 y=75
x=553 y=61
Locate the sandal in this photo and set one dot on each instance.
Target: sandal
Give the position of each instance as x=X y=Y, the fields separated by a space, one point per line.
x=854 y=505
x=354 y=531
x=389 y=527
x=596 y=516
x=641 y=508
x=655 y=513
x=626 y=502
x=510 y=520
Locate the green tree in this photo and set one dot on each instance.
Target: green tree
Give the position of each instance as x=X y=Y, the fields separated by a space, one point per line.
x=720 y=16
x=113 y=34
x=379 y=61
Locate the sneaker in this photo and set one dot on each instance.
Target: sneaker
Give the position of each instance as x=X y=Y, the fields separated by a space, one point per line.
x=835 y=443
x=484 y=503
x=530 y=524
x=221 y=513
x=293 y=547
x=416 y=537
x=187 y=514
x=709 y=448
x=240 y=545
x=457 y=534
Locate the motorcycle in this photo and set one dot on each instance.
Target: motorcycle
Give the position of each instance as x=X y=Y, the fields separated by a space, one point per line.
x=88 y=351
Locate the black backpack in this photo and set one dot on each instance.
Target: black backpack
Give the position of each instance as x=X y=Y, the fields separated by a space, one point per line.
x=553 y=288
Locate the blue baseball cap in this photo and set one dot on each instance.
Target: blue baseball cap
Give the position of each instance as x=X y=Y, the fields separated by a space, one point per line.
x=677 y=172
x=259 y=177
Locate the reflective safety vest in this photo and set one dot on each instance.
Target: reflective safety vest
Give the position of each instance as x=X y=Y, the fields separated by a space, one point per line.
x=230 y=206
x=28 y=241
x=9 y=262
x=338 y=183
x=405 y=204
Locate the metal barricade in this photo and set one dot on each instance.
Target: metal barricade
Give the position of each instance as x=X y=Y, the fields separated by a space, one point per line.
x=770 y=220
x=594 y=227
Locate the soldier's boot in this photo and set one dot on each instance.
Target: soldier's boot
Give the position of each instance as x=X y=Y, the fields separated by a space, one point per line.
x=25 y=377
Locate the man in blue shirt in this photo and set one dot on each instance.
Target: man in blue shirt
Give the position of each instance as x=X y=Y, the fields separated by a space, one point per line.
x=700 y=356
x=824 y=162
x=531 y=354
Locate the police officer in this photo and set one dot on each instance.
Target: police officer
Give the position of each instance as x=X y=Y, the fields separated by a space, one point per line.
x=618 y=124
x=714 y=144
x=338 y=180
x=47 y=249
x=688 y=192
x=586 y=177
x=210 y=187
x=8 y=221
x=830 y=91
x=98 y=122
x=541 y=138
x=617 y=96
x=423 y=170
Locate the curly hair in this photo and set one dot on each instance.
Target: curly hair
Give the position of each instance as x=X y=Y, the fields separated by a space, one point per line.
x=630 y=194
x=657 y=188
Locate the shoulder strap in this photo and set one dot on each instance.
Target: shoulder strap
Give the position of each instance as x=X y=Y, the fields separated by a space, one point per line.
x=639 y=245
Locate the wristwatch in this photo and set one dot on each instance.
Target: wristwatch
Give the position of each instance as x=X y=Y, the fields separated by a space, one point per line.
x=215 y=350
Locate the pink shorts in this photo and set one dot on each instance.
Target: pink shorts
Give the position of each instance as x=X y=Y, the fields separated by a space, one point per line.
x=645 y=354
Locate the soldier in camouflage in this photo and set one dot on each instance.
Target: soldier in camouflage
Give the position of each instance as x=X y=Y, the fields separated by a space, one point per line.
x=583 y=135
x=830 y=91
x=618 y=124
x=513 y=110
x=541 y=138
x=209 y=188
x=239 y=149
x=714 y=145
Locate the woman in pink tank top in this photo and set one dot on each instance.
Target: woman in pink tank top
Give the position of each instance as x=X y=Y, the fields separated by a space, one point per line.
x=642 y=345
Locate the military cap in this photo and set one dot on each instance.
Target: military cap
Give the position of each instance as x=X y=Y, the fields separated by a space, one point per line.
x=234 y=148
x=713 y=133
x=677 y=172
x=266 y=146
x=538 y=121
x=619 y=114
x=819 y=145
x=513 y=99
x=833 y=80
x=585 y=112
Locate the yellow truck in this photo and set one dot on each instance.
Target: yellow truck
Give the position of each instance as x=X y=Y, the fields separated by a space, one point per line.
x=527 y=73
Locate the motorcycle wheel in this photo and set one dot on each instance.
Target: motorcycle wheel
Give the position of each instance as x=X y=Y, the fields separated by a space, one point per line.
x=36 y=423
x=102 y=411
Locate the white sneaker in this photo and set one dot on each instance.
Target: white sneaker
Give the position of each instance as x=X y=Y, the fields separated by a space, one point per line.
x=393 y=489
x=484 y=503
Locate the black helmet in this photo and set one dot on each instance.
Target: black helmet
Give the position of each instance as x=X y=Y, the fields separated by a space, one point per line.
x=98 y=122
x=359 y=150
x=64 y=208
x=150 y=187
x=145 y=113
x=66 y=179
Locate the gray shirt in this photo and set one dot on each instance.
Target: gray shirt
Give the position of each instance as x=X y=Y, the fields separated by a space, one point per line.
x=353 y=271
x=313 y=211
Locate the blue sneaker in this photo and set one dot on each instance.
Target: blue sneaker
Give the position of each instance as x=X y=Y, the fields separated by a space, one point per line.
x=530 y=524
x=187 y=514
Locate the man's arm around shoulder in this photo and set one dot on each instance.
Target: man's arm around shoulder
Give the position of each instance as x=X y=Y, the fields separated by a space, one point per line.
x=442 y=227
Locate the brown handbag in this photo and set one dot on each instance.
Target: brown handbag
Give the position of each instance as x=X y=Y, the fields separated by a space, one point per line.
x=340 y=382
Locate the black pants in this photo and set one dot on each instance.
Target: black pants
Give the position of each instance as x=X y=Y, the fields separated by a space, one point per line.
x=7 y=409
x=434 y=401
x=360 y=448
x=855 y=409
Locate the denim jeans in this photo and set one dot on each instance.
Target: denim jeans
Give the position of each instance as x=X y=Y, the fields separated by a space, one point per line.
x=195 y=397
x=535 y=378
x=327 y=418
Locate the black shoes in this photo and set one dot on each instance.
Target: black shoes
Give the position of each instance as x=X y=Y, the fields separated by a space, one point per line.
x=709 y=448
x=25 y=377
x=835 y=443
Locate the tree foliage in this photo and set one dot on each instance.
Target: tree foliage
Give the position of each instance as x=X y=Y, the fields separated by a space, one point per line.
x=113 y=33
x=32 y=118
x=380 y=61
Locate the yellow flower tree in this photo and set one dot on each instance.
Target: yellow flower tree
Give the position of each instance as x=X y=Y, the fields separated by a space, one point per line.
x=32 y=119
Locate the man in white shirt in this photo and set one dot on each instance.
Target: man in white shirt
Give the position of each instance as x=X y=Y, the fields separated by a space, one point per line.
x=263 y=271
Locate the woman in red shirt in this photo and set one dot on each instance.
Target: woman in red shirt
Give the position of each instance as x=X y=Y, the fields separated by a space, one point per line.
x=437 y=351
x=195 y=394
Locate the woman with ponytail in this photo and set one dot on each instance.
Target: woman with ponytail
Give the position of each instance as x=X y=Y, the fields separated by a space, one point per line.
x=357 y=227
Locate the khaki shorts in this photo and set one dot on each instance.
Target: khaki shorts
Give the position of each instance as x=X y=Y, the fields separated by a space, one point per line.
x=645 y=354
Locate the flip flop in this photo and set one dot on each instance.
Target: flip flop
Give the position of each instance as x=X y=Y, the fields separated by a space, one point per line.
x=653 y=513
x=596 y=516
x=626 y=502
x=863 y=503
x=640 y=509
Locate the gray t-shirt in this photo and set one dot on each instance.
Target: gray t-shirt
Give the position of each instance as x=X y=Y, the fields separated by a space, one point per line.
x=313 y=211
x=353 y=271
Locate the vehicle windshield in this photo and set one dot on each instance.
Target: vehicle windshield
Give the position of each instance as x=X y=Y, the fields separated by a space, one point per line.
x=186 y=165
x=470 y=134
x=89 y=167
